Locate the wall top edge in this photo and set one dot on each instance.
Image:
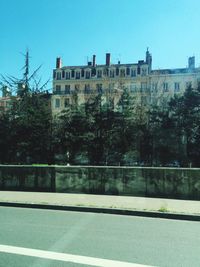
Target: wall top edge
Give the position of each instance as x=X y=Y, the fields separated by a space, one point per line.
x=97 y=167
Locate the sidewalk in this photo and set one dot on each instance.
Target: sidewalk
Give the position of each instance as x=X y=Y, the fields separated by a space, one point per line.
x=139 y=206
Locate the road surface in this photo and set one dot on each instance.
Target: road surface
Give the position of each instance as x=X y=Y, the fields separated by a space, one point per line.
x=41 y=238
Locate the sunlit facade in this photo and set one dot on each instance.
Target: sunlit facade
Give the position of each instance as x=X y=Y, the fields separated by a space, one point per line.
x=77 y=84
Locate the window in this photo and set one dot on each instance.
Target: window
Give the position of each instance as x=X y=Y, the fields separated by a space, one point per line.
x=112 y=73
x=133 y=72
x=67 y=89
x=99 y=88
x=133 y=87
x=165 y=87
x=63 y=74
x=66 y=103
x=176 y=87
x=87 y=88
x=188 y=84
x=154 y=87
x=94 y=72
x=77 y=88
x=82 y=73
x=87 y=74
x=106 y=71
x=138 y=70
x=143 y=87
x=58 y=90
x=127 y=71
x=122 y=73
x=78 y=75
x=54 y=74
x=117 y=71
x=67 y=75
x=57 y=103
x=73 y=72
x=111 y=87
x=58 y=75
x=99 y=73
x=144 y=72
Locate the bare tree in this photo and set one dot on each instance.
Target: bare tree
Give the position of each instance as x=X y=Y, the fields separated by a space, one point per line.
x=29 y=83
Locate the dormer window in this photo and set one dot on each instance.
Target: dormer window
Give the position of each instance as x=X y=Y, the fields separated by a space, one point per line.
x=122 y=73
x=73 y=72
x=54 y=74
x=117 y=71
x=112 y=73
x=144 y=71
x=128 y=71
x=58 y=76
x=87 y=74
x=99 y=73
x=63 y=74
x=133 y=72
x=78 y=74
x=82 y=73
x=138 y=70
x=67 y=75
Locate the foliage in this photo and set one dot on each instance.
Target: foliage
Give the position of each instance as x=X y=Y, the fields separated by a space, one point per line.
x=107 y=136
x=175 y=131
x=26 y=130
x=25 y=127
x=98 y=133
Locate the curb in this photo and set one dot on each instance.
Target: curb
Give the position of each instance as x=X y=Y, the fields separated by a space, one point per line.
x=151 y=214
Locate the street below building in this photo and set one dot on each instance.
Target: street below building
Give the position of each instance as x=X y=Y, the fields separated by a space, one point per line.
x=33 y=237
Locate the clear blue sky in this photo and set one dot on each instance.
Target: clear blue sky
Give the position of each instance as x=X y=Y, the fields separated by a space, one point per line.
x=75 y=29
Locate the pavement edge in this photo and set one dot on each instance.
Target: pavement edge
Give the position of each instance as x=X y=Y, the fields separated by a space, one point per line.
x=150 y=214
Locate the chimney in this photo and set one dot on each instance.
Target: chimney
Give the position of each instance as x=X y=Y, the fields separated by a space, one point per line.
x=107 y=59
x=94 y=61
x=58 y=63
x=191 y=62
x=148 y=59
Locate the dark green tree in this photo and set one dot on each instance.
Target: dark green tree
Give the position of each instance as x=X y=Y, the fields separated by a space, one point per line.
x=29 y=120
x=185 y=111
x=175 y=130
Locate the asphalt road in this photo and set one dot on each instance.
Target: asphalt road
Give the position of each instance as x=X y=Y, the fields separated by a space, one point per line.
x=147 y=241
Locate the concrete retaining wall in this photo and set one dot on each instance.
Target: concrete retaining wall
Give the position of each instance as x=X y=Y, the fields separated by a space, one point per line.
x=180 y=183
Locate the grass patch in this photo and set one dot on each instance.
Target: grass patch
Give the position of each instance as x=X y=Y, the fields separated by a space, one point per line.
x=163 y=209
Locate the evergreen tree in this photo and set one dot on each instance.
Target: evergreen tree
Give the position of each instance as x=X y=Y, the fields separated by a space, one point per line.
x=29 y=119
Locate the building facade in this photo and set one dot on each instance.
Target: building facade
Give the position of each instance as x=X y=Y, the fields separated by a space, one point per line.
x=77 y=84
x=5 y=100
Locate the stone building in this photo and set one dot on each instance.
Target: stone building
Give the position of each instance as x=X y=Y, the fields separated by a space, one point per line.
x=5 y=100
x=73 y=84
x=109 y=80
x=165 y=83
